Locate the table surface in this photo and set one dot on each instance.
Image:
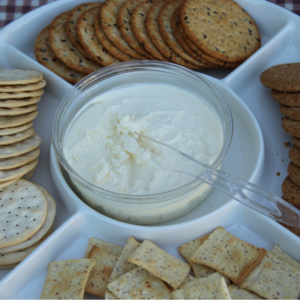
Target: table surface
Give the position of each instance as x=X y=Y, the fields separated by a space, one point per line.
x=13 y=9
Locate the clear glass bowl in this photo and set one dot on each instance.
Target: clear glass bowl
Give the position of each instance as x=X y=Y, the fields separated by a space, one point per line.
x=135 y=209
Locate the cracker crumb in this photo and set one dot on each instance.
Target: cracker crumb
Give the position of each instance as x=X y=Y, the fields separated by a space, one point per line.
x=278 y=173
x=287 y=144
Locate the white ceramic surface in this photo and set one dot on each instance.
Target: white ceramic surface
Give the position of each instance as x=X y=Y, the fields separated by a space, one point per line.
x=76 y=222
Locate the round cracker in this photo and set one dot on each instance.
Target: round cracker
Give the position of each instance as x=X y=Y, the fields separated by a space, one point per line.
x=109 y=20
x=51 y=211
x=294 y=155
x=21 y=147
x=20 y=160
x=290 y=112
x=17 y=95
x=89 y=41
x=296 y=141
x=234 y=41
x=291 y=191
x=28 y=175
x=14 y=121
x=17 y=76
x=13 y=103
x=294 y=173
x=9 y=182
x=284 y=78
x=63 y=48
x=289 y=99
x=23 y=211
x=22 y=87
x=47 y=58
x=10 y=174
x=17 y=110
x=14 y=130
x=291 y=127
x=14 y=138
x=9 y=266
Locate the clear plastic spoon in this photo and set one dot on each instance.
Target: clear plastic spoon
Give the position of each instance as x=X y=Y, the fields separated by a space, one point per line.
x=275 y=207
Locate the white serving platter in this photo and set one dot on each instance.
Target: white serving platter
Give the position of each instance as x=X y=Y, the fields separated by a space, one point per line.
x=257 y=153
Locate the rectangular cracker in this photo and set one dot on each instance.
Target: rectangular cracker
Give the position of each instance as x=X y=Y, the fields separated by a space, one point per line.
x=66 y=279
x=204 y=289
x=160 y=264
x=98 y=279
x=188 y=249
x=238 y=293
x=279 y=253
x=108 y=247
x=228 y=255
x=274 y=278
x=139 y=284
x=123 y=266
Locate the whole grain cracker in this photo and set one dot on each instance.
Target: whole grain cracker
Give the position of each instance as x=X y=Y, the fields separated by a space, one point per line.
x=47 y=58
x=108 y=247
x=296 y=141
x=159 y=263
x=13 y=103
x=109 y=295
x=284 y=78
x=290 y=112
x=280 y=254
x=107 y=44
x=212 y=289
x=17 y=76
x=23 y=87
x=14 y=138
x=123 y=266
x=290 y=99
x=26 y=94
x=291 y=191
x=19 y=148
x=238 y=293
x=43 y=231
x=139 y=284
x=18 y=110
x=109 y=20
x=88 y=38
x=291 y=127
x=100 y=274
x=294 y=173
x=274 y=278
x=124 y=23
x=228 y=255
x=13 y=130
x=63 y=48
x=9 y=174
x=72 y=19
x=164 y=22
x=139 y=30
x=294 y=155
x=234 y=41
x=155 y=36
x=66 y=279
x=14 y=121
x=23 y=211
x=188 y=249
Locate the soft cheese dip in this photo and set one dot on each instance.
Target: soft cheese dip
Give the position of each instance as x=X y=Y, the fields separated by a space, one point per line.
x=101 y=145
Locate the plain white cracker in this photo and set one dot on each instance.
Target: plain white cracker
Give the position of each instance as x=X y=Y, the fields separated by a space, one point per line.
x=14 y=138
x=12 y=103
x=17 y=76
x=14 y=121
x=22 y=87
x=17 y=95
x=18 y=110
x=13 y=130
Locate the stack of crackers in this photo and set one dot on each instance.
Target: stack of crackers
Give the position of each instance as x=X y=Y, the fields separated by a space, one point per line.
x=27 y=213
x=284 y=80
x=144 y=271
x=20 y=91
x=192 y=33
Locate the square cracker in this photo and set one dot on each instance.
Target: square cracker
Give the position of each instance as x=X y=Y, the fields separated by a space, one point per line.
x=274 y=279
x=214 y=288
x=238 y=293
x=228 y=255
x=108 y=247
x=123 y=266
x=279 y=253
x=66 y=279
x=160 y=264
x=139 y=284
x=100 y=274
x=188 y=249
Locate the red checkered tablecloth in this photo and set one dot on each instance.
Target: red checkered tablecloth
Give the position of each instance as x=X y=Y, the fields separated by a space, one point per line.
x=12 y=9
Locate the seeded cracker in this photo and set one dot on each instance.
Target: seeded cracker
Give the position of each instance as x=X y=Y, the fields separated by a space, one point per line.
x=139 y=284
x=25 y=94
x=228 y=255
x=65 y=51
x=12 y=130
x=238 y=293
x=108 y=247
x=23 y=211
x=280 y=254
x=8 y=77
x=274 y=278
x=18 y=110
x=14 y=138
x=159 y=263
x=66 y=279
x=13 y=121
x=46 y=57
x=234 y=41
x=23 y=87
x=88 y=38
x=100 y=274
x=123 y=266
